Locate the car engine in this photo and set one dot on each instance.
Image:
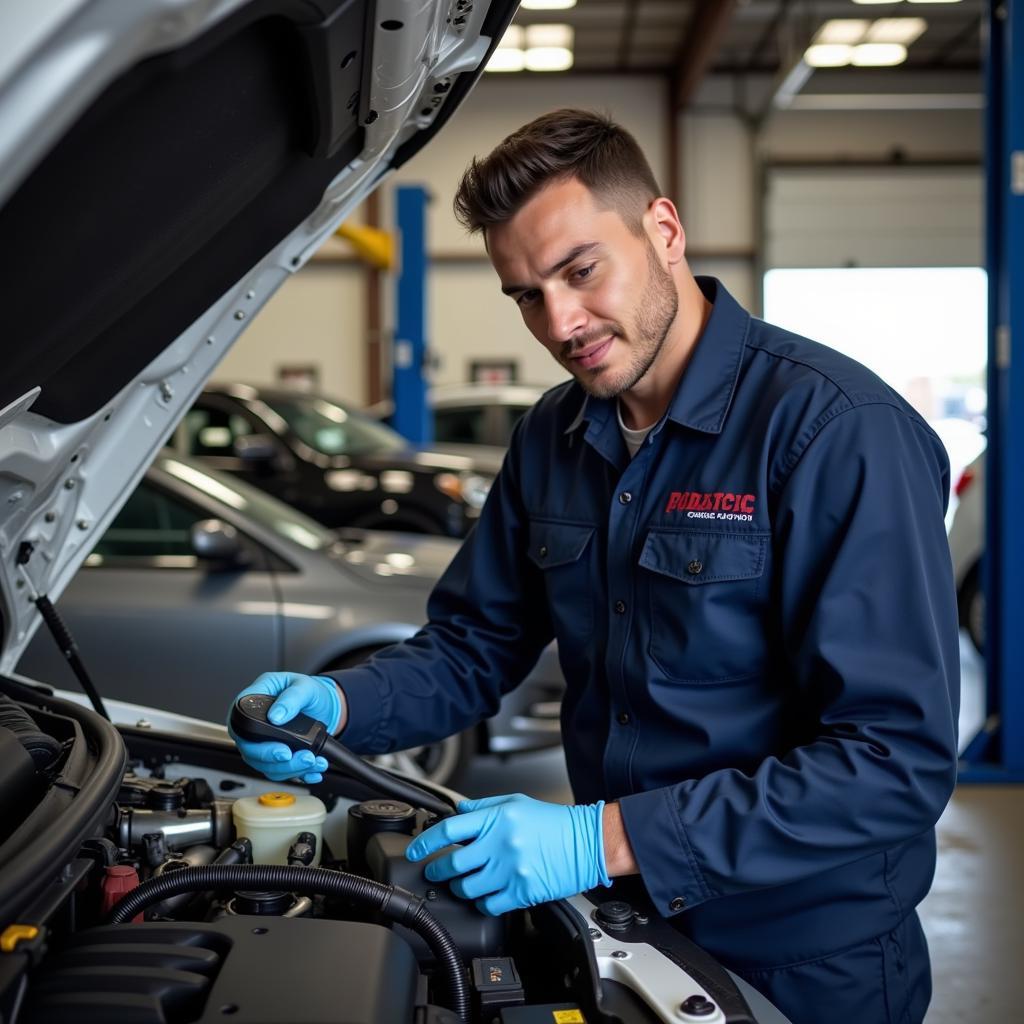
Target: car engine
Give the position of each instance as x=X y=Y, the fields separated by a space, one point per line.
x=163 y=909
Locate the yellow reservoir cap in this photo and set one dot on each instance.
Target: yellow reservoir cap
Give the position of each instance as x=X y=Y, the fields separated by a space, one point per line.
x=277 y=799
x=14 y=933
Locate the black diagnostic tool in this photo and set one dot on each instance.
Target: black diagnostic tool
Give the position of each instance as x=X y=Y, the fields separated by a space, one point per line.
x=249 y=722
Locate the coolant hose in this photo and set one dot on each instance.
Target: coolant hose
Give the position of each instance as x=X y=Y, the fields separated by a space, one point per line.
x=342 y=758
x=398 y=904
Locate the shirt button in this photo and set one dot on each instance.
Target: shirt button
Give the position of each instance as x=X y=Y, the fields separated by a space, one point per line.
x=625 y=498
x=620 y=607
x=695 y=568
x=543 y=552
x=623 y=718
x=677 y=904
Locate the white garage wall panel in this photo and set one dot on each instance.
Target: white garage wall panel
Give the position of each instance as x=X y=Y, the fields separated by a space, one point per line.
x=468 y=317
x=319 y=318
x=874 y=217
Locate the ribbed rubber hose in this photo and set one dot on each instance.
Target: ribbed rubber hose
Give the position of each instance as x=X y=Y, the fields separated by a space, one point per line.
x=396 y=903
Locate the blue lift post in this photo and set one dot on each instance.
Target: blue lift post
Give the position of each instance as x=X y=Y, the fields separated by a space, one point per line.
x=409 y=384
x=996 y=754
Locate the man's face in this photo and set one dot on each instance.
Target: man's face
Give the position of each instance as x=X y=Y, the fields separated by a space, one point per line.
x=590 y=290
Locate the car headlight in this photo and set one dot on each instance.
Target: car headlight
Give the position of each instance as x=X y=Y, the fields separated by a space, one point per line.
x=470 y=488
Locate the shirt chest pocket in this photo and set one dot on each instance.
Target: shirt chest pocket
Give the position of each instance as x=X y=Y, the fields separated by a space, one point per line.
x=707 y=595
x=563 y=553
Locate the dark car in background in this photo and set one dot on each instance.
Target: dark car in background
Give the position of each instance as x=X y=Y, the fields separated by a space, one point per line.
x=332 y=463
x=202 y=582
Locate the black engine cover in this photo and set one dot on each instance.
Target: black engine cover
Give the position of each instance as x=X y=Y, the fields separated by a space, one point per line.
x=256 y=970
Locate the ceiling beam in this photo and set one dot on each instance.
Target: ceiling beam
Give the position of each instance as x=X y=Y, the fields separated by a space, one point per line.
x=628 y=32
x=701 y=42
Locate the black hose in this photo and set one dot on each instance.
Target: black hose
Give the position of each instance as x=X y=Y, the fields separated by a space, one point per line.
x=341 y=757
x=42 y=748
x=398 y=904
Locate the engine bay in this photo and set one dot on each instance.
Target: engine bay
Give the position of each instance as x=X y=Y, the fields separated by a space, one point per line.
x=199 y=893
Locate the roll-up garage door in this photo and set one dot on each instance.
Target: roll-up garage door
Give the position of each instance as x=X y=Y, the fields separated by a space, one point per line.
x=874 y=217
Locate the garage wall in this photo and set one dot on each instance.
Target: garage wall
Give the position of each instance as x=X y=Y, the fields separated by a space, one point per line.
x=719 y=194
x=722 y=184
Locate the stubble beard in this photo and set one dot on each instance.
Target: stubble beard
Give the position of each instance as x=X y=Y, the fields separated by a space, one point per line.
x=653 y=318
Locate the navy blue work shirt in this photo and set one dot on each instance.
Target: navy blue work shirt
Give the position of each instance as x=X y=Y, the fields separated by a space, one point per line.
x=757 y=624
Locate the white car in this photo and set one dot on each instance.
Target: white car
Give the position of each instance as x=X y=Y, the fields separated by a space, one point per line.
x=164 y=166
x=967 y=545
x=473 y=419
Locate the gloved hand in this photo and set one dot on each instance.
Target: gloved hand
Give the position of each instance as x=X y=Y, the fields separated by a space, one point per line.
x=316 y=696
x=523 y=852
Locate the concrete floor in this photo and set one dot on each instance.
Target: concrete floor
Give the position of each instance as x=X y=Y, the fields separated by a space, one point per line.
x=974 y=915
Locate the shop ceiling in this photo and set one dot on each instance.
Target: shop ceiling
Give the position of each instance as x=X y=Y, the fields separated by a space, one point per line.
x=765 y=40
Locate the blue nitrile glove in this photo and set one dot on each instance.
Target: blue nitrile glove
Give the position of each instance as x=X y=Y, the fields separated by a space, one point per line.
x=523 y=852
x=316 y=696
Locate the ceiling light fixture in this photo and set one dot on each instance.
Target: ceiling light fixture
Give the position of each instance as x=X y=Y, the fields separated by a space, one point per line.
x=512 y=39
x=828 y=55
x=548 y=58
x=933 y=1
x=507 y=59
x=549 y=35
x=547 y=5
x=878 y=55
x=842 y=30
x=896 y=30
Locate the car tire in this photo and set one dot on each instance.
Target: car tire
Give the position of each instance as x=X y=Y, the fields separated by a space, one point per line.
x=971 y=608
x=445 y=762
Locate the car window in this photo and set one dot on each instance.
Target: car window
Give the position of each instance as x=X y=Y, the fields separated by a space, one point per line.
x=332 y=430
x=459 y=426
x=254 y=504
x=150 y=525
x=214 y=431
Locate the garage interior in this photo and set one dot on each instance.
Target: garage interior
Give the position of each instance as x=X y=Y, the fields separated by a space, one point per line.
x=852 y=170
x=784 y=175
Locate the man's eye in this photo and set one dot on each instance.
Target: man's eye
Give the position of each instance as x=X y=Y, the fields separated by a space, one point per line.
x=526 y=298
x=584 y=272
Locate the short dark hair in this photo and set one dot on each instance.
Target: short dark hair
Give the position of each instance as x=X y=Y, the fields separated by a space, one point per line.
x=558 y=146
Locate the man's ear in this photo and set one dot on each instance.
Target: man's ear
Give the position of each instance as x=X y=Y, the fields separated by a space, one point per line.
x=666 y=230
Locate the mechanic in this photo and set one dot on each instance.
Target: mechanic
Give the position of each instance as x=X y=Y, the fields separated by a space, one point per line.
x=736 y=537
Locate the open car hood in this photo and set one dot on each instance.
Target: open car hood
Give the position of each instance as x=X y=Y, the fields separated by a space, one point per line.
x=165 y=165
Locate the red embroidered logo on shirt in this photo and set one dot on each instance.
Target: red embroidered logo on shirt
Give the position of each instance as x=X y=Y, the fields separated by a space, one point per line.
x=712 y=504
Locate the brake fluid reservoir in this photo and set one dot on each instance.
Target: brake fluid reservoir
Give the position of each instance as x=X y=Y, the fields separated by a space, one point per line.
x=271 y=821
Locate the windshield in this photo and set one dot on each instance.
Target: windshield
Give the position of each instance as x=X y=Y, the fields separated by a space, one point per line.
x=261 y=508
x=332 y=430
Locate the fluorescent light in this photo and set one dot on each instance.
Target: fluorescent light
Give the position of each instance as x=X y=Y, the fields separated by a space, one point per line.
x=896 y=30
x=547 y=5
x=507 y=59
x=549 y=35
x=932 y=1
x=867 y=2
x=512 y=39
x=548 y=58
x=878 y=55
x=842 y=30
x=828 y=55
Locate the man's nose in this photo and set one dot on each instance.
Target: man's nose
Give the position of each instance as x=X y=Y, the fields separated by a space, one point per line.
x=566 y=316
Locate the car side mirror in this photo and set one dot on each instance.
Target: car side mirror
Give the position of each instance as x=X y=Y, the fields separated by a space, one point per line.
x=213 y=540
x=255 y=448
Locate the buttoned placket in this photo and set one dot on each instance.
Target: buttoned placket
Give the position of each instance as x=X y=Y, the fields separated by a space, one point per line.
x=626 y=513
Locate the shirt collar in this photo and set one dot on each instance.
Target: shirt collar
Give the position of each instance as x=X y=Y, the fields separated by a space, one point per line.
x=705 y=391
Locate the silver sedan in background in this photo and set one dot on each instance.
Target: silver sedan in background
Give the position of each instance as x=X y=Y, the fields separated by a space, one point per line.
x=203 y=582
